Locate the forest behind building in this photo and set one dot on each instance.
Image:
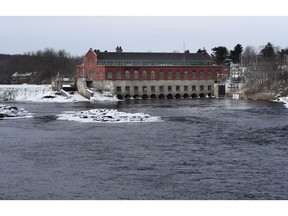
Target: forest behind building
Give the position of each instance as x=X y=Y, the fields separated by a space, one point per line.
x=266 y=67
x=44 y=64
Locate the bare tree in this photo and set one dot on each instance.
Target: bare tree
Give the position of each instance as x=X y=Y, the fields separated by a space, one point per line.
x=249 y=56
x=264 y=72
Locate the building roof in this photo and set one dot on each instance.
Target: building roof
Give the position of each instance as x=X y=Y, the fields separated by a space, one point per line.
x=150 y=56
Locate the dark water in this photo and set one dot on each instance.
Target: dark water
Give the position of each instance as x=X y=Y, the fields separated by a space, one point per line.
x=204 y=149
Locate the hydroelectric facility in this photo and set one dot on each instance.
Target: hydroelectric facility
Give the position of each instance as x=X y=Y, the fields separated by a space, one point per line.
x=151 y=75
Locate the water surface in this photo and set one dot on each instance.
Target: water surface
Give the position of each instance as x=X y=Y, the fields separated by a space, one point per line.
x=204 y=149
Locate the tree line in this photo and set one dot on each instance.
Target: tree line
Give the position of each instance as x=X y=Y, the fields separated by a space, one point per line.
x=265 y=69
x=46 y=63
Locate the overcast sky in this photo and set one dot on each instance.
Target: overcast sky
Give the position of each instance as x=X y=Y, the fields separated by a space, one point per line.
x=77 y=34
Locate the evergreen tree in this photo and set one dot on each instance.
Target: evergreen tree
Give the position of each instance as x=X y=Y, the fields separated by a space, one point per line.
x=235 y=55
x=268 y=52
x=220 y=55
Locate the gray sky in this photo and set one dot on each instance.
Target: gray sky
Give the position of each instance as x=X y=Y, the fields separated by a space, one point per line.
x=77 y=34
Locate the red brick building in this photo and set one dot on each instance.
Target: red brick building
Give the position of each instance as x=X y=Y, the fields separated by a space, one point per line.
x=151 y=75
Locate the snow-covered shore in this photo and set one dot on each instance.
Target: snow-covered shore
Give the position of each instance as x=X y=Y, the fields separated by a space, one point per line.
x=106 y=116
x=36 y=93
x=11 y=112
x=282 y=100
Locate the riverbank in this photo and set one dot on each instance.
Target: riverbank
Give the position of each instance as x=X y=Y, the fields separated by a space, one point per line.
x=261 y=96
x=258 y=96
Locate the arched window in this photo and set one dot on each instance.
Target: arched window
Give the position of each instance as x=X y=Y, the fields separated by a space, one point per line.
x=90 y=62
x=152 y=75
x=185 y=75
x=170 y=75
x=90 y=75
x=161 y=75
x=177 y=75
x=127 y=75
x=193 y=74
x=136 y=75
x=209 y=75
x=109 y=75
x=144 y=75
x=201 y=74
x=118 y=75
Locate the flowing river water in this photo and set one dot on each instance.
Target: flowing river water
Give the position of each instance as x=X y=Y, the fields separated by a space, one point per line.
x=207 y=149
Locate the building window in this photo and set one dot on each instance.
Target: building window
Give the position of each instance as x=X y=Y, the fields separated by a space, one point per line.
x=209 y=75
x=177 y=88
x=152 y=75
x=161 y=88
x=209 y=88
x=193 y=88
x=101 y=75
x=109 y=75
x=152 y=88
x=193 y=74
x=127 y=89
x=185 y=88
x=185 y=75
x=201 y=88
x=177 y=75
x=90 y=75
x=90 y=62
x=135 y=89
x=161 y=75
x=127 y=75
x=144 y=89
x=169 y=88
x=118 y=89
x=170 y=75
x=201 y=74
x=136 y=75
x=144 y=75
x=118 y=75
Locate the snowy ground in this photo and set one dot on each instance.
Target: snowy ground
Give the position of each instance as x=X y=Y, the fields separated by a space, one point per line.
x=104 y=96
x=283 y=100
x=10 y=112
x=44 y=93
x=106 y=116
x=36 y=93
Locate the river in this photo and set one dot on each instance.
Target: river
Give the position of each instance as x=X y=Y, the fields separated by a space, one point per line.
x=203 y=149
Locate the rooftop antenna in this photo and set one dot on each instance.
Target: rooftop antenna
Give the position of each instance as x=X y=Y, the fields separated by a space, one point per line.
x=184 y=51
x=184 y=46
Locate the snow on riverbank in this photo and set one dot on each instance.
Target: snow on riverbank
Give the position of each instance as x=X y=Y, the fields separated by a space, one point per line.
x=103 y=96
x=11 y=112
x=283 y=100
x=35 y=93
x=107 y=116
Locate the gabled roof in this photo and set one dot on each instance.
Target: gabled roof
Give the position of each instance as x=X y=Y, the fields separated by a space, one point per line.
x=147 y=56
x=91 y=50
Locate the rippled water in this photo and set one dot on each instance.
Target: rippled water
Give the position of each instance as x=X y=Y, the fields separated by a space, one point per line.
x=204 y=149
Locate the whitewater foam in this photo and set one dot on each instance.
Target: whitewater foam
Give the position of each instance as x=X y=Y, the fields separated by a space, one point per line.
x=103 y=96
